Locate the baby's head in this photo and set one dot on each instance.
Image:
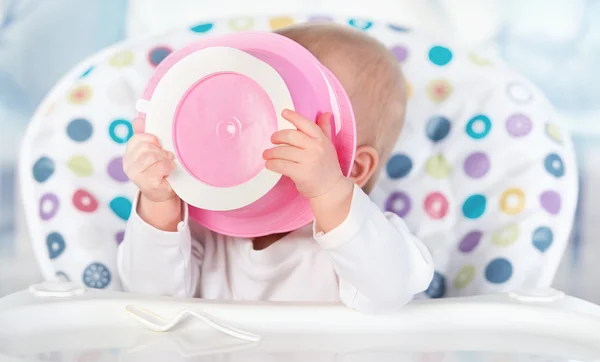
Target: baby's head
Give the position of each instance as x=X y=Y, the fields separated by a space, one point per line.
x=372 y=79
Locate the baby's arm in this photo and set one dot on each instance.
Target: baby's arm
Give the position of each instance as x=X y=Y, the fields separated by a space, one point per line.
x=156 y=255
x=380 y=264
x=153 y=261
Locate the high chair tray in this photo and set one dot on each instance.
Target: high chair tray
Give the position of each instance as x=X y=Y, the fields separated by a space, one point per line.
x=74 y=324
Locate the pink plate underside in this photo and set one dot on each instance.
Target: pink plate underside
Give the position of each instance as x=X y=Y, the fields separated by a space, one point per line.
x=221 y=145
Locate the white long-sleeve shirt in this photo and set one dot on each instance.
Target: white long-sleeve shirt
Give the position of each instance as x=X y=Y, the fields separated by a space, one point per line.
x=370 y=262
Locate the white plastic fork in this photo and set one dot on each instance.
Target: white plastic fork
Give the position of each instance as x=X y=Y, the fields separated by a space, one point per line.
x=159 y=324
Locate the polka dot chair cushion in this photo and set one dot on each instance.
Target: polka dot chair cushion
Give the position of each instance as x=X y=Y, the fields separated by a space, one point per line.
x=483 y=173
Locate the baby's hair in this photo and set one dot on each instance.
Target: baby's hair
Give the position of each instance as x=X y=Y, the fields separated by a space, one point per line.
x=375 y=85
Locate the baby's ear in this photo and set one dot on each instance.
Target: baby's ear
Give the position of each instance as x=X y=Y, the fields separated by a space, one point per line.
x=365 y=164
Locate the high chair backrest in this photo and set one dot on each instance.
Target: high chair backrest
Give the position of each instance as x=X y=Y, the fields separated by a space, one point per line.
x=483 y=172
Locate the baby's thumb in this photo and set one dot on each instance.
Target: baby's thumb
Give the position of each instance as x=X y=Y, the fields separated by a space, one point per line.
x=139 y=125
x=324 y=122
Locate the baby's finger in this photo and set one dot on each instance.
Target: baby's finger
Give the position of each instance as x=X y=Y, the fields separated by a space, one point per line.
x=139 y=125
x=145 y=147
x=283 y=167
x=146 y=160
x=291 y=137
x=160 y=169
x=141 y=138
x=303 y=124
x=289 y=153
x=324 y=122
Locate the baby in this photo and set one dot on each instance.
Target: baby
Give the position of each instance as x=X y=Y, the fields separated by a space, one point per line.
x=352 y=253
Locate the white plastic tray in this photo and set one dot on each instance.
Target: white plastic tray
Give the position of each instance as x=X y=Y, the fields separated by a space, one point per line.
x=93 y=326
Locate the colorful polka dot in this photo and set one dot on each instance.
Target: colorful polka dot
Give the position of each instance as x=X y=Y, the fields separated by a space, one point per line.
x=542 y=238
x=474 y=206
x=87 y=72
x=56 y=245
x=80 y=94
x=470 y=241
x=79 y=130
x=158 y=54
x=519 y=93
x=398 y=28
x=361 y=24
x=438 y=90
x=550 y=201
x=280 y=22
x=241 y=24
x=80 y=166
x=438 y=167
x=506 y=236
x=409 y=90
x=440 y=55
x=479 y=126
x=512 y=201
x=498 y=271
x=518 y=125
x=43 y=168
x=479 y=60
x=48 y=206
x=400 y=52
x=399 y=166
x=97 y=276
x=62 y=276
x=121 y=206
x=477 y=165
x=119 y=236
x=437 y=287
x=115 y=170
x=120 y=131
x=436 y=205
x=438 y=127
x=464 y=277
x=554 y=165
x=121 y=59
x=553 y=132
x=399 y=203
x=202 y=28
x=84 y=201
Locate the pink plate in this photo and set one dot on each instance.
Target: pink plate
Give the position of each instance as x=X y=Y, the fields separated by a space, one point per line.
x=224 y=121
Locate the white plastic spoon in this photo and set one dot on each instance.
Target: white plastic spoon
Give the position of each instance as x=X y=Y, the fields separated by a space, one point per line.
x=159 y=324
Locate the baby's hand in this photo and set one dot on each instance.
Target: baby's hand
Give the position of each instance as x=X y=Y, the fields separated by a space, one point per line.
x=147 y=164
x=306 y=155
